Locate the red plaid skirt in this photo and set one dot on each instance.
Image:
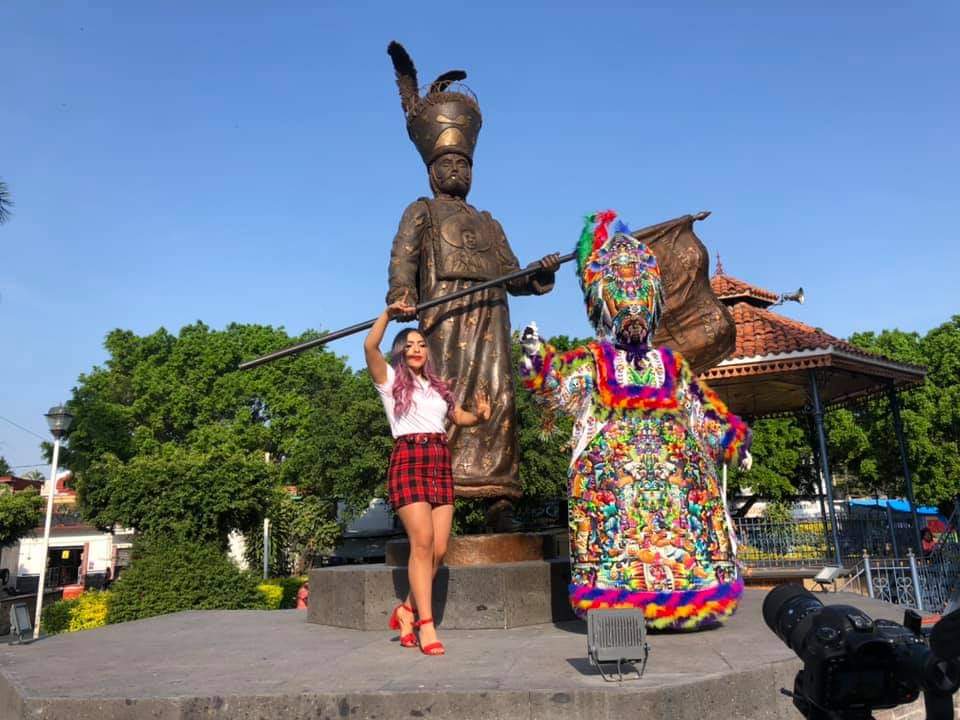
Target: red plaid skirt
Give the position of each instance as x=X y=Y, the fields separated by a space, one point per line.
x=420 y=471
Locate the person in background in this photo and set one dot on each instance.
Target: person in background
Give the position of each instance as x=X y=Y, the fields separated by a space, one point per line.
x=303 y=596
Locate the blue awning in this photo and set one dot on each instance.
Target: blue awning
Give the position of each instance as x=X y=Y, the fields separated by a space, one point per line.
x=896 y=504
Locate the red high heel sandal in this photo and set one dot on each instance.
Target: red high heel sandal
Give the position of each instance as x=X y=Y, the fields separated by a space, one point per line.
x=434 y=648
x=409 y=640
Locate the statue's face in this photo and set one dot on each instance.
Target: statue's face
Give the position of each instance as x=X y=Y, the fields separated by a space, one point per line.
x=451 y=174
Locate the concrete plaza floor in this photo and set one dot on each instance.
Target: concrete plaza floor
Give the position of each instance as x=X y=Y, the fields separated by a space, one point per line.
x=262 y=664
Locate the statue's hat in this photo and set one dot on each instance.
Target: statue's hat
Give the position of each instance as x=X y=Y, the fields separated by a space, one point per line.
x=445 y=118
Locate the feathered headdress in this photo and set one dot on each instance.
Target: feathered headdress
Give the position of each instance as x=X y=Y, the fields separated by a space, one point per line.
x=619 y=276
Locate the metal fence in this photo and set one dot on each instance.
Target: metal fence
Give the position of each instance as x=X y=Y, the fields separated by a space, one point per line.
x=809 y=543
x=925 y=584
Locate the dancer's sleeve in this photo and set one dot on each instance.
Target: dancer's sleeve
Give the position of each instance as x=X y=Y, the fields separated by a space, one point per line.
x=558 y=379
x=405 y=254
x=725 y=434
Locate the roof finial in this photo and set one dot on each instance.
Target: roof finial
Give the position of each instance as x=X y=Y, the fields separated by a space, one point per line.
x=719 y=270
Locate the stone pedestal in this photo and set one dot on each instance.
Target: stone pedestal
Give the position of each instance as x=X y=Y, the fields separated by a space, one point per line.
x=251 y=664
x=503 y=595
x=487 y=549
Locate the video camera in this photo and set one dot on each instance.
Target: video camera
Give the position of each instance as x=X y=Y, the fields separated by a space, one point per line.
x=853 y=664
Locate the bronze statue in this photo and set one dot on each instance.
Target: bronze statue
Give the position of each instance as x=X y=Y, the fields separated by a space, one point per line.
x=443 y=245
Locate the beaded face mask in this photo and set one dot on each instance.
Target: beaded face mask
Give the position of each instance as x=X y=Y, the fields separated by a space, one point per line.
x=620 y=279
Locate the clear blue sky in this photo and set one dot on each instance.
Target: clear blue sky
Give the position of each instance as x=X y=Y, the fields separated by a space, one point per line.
x=238 y=161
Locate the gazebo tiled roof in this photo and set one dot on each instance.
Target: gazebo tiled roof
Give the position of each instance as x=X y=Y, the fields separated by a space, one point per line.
x=730 y=288
x=763 y=332
x=768 y=371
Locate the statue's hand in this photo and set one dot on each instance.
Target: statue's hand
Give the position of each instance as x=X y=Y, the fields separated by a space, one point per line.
x=530 y=339
x=550 y=263
x=747 y=462
x=402 y=309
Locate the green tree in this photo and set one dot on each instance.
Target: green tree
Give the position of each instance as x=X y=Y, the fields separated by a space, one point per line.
x=301 y=529
x=931 y=414
x=852 y=455
x=4 y=467
x=312 y=532
x=6 y=202
x=20 y=513
x=781 y=460
x=169 y=436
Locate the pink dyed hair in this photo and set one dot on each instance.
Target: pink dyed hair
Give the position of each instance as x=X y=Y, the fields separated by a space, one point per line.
x=404 y=378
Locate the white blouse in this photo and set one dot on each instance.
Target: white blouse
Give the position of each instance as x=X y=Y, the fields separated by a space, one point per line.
x=427 y=412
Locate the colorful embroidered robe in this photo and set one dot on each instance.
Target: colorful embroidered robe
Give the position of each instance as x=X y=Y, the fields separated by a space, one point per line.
x=648 y=524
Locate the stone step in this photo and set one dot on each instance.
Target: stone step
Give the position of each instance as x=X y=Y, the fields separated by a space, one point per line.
x=503 y=595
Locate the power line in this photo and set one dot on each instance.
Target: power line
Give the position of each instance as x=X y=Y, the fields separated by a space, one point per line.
x=27 y=430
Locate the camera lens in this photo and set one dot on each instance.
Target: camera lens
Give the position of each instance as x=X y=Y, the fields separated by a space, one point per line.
x=784 y=607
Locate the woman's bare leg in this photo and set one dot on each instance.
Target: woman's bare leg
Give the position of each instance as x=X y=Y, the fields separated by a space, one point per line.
x=417 y=520
x=442 y=523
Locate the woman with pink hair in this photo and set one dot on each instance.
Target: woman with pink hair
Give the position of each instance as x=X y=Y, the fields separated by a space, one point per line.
x=420 y=481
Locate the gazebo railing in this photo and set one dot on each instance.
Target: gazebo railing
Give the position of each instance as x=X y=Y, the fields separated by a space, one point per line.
x=809 y=542
x=806 y=543
x=923 y=584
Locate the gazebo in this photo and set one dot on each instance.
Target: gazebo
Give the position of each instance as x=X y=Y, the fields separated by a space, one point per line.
x=781 y=366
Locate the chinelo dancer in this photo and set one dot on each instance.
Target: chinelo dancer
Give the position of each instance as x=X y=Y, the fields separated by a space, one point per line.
x=419 y=406
x=649 y=527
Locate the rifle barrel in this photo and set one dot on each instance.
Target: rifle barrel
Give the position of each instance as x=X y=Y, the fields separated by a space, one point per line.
x=353 y=329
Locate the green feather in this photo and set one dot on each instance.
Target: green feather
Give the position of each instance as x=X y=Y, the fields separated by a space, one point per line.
x=585 y=243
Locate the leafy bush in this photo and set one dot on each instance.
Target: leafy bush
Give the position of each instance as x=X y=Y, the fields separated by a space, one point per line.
x=90 y=610
x=55 y=617
x=289 y=587
x=169 y=574
x=272 y=595
x=779 y=512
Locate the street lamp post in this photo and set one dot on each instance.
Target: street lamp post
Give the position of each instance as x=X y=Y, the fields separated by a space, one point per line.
x=59 y=421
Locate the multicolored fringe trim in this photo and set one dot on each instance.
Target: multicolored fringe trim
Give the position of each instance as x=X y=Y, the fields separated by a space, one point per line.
x=642 y=397
x=534 y=377
x=736 y=440
x=676 y=610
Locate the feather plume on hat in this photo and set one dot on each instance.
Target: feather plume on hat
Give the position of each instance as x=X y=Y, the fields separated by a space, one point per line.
x=406 y=76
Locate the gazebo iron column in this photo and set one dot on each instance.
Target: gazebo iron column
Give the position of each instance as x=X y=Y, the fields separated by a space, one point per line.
x=824 y=461
x=812 y=436
x=898 y=429
x=893 y=530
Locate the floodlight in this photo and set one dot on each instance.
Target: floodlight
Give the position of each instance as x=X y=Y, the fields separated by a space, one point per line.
x=20 y=626
x=617 y=636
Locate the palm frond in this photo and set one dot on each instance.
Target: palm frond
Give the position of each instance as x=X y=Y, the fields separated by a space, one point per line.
x=6 y=202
